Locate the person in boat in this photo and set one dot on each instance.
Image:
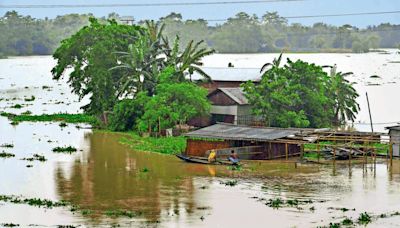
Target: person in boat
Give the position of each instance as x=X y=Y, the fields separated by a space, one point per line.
x=233 y=157
x=212 y=157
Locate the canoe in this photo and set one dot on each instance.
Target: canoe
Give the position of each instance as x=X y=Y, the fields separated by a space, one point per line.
x=202 y=160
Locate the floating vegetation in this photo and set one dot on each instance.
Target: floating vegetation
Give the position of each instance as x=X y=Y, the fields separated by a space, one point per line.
x=364 y=218
x=63 y=117
x=33 y=201
x=275 y=203
x=14 y=123
x=347 y=222
x=230 y=183
x=144 y=170
x=235 y=167
x=68 y=149
x=29 y=166
x=86 y=212
x=9 y=224
x=120 y=213
x=16 y=106
x=374 y=76
x=63 y=124
x=27 y=113
x=7 y=145
x=278 y=202
x=32 y=98
x=46 y=87
x=6 y=155
x=36 y=157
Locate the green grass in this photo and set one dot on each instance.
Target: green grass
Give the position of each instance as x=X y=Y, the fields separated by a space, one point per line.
x=163 y=145
x=120 y=213
x=36 y=157
x=62 y=117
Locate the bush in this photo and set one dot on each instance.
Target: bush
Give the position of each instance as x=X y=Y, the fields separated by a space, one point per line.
x=126 y=112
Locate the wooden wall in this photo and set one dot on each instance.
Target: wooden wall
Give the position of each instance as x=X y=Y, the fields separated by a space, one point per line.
x=199 y=147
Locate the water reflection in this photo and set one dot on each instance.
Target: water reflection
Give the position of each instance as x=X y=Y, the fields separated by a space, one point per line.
x=113 y=177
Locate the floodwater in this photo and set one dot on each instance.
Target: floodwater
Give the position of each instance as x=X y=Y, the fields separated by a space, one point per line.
x=106 y=175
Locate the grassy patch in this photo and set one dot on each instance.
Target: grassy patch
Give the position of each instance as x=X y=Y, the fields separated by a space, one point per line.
x=68 y=149
x=62 y=117
x=6 y=155
x=164 y=145
x=275 y=203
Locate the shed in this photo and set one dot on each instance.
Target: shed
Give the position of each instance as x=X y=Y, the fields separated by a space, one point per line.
x=230 y=105
x=394 y=134
x=248 y=142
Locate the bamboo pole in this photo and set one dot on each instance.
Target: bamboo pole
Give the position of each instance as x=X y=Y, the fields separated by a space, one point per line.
x=286 y=151
x=301 y=151
x=391 y=153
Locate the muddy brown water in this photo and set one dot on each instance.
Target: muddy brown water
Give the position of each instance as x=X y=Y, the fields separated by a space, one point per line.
x=106 y=175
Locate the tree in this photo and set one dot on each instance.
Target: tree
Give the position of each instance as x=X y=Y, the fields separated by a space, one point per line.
x=174 y=103
x=345 y=105
x=295 y=95
x=90 y=53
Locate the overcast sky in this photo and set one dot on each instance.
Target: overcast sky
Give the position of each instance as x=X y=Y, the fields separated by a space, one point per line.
x=299 y=8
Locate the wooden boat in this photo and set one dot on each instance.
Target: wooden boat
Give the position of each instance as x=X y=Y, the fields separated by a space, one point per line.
x=202 y=160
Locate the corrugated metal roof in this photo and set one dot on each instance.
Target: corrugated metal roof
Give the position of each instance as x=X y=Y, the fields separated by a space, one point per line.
x=230 y=74
x=396 y=128
x=236 y=94
x=235 y=132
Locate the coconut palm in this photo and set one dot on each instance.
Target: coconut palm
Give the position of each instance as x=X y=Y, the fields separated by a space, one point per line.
x=346 y=106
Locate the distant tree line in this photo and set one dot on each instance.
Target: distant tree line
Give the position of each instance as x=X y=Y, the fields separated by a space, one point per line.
x=243 y=33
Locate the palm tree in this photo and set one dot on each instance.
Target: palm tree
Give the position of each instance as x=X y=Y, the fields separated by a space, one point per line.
x=189 y=60
x=346 y=106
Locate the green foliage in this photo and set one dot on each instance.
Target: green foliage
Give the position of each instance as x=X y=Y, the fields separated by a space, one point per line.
x=275 y=203
x=173 y=103
x=90 y=53
x=347 y=222
x=364 y=218
x=165 y=145
x=126 y=112
x=300 y=94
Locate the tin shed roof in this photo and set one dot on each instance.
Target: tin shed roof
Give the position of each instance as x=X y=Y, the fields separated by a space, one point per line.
x=236 y=94
x=235 y=132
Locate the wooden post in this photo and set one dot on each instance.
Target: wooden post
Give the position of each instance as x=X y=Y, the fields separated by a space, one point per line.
x=334 y=153
x=318 y=150
x=351 y=149
x=391 y=153
x=301 y=151
x=269 y=150
x=286 y=151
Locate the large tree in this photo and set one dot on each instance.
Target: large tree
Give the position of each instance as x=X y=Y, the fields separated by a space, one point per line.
x=90 y=53
x=300 y=94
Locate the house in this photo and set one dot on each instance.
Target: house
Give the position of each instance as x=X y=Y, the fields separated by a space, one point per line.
x=256 y=143
x=394 y=134
x=228 y=105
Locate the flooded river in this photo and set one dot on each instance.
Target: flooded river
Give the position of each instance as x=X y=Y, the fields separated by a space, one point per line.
x=105 y=175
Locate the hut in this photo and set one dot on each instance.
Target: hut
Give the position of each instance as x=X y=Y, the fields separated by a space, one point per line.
x=254 y=143
x=394 y=134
